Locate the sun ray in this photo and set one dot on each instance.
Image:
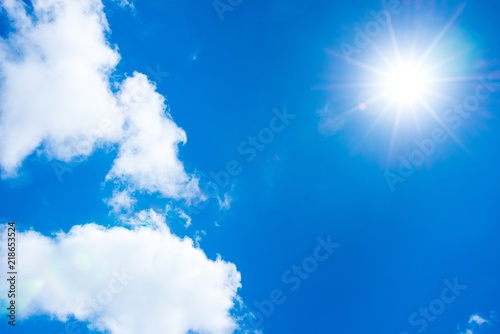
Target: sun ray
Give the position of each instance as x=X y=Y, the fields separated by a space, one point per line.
x=395 y=45
x=453 y=79
x=411 y=82
x=441 y=96
x=356 y=108
x=395 y=129
x=360 y=84
x=381 y=54
x=417 y=121
x=444 y=126
x=447 y=60
x=374 y=124
x=441 y=34
x=365 y=66
x=413 y=49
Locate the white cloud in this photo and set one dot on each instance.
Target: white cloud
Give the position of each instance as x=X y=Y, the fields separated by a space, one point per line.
x=224 y=203
x=185 y=216
x=126 y=281
x=55 y=88
x=126 y=3
x=198 y=236
x=121 y=202
x=177 y=213
x=477 y=319
x=148 y=153
x=58 y=98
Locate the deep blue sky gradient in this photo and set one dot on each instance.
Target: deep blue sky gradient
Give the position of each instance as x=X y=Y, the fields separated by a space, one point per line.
x=225 y=78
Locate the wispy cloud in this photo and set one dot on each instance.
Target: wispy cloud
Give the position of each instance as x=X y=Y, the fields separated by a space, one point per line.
x=121 y=202
x=185 y=216
x=224 y=202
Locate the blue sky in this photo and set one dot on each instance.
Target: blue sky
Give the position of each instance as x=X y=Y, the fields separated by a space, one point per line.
x=251 y=166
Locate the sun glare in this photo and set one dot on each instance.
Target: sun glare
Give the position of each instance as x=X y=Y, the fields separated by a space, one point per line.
x=407 y=81
x=405 y=84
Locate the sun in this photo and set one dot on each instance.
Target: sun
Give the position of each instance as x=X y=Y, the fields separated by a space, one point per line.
x=405 y=81
x=405 y=84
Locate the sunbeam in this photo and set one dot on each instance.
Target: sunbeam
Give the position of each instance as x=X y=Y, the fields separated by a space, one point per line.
x=406 y=81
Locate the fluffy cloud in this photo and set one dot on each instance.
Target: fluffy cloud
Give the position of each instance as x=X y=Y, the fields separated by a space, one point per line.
x=150 y=131
x=126 y=281
x=58 y=98
x=54 y=81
